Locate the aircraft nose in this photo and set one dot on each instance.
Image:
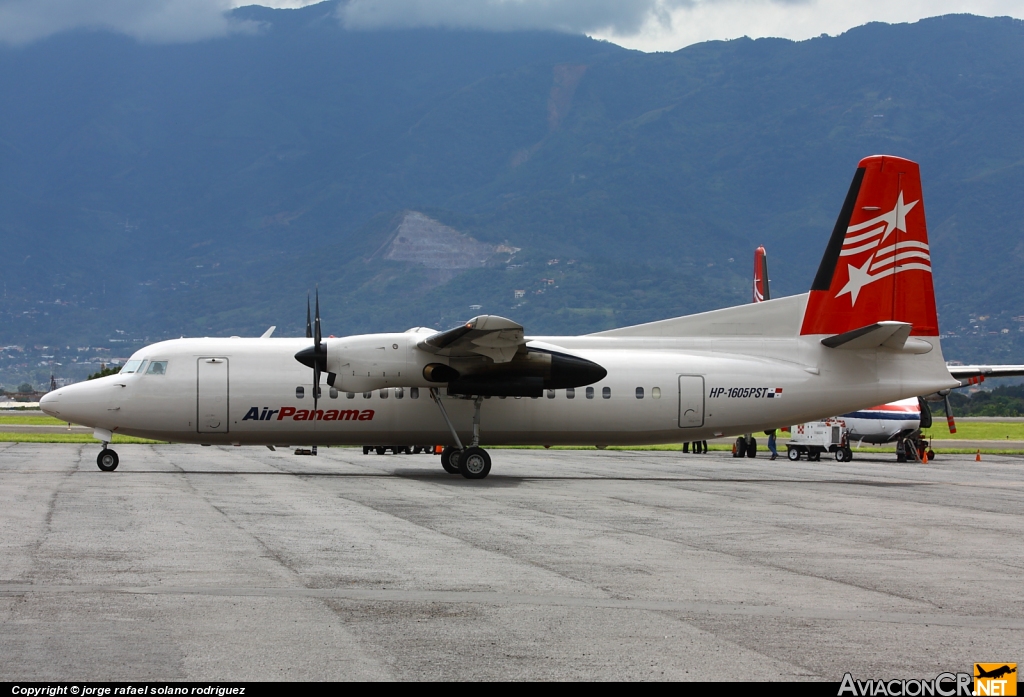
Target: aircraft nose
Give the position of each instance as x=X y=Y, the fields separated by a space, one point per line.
x=49 y=403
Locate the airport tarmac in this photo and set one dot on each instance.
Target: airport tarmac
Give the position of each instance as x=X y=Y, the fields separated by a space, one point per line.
x=222 y=564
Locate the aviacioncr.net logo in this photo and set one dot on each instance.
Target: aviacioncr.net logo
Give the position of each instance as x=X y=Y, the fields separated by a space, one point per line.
x=943 y=685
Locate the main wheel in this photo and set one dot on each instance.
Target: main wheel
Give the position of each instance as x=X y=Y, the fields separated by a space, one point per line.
x=752 y=448
x=107 y=460
x=741 y=447
x=474 y=463
x=450 y=460
x=793 y=454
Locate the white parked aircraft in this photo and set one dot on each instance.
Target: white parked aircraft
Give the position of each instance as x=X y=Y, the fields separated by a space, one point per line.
x=865 y=334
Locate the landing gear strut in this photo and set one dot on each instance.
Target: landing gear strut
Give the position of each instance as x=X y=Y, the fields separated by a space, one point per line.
x=107 y=460
x=472 y=462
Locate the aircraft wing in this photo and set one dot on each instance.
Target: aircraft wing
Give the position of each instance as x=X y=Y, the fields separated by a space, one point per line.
x=966 y=372
x=487 y=335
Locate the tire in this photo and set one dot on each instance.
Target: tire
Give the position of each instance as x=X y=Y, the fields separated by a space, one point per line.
x=840 y=455
x=741 y=447
x=474 y=463
x=931 y=455
x=450 y=459
x=107 y=460
x=380 y=450
x=793 y=454
x=366 y=449
x=848 y=453
x=752 y=448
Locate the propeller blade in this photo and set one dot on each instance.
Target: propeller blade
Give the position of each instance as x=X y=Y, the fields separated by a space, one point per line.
x=316 y=326
x=949 y=415
x=309 y=329
x=316 y=386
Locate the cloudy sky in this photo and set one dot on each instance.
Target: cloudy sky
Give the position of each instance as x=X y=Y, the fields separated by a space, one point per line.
x=649 y=25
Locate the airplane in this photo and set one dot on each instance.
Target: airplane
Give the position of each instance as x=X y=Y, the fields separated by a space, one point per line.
x=896 y=421
x=866 y=333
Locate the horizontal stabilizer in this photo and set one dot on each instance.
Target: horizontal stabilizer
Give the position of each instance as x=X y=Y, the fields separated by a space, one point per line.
x=891 y=334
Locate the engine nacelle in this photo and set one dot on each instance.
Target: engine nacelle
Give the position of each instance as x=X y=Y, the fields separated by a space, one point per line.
x=374 y=361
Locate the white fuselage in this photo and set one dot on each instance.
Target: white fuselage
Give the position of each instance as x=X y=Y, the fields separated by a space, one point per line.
x=720 y=373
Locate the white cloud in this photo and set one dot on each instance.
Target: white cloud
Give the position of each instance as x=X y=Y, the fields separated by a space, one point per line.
x=648 y=25
x=23 y=21
x=705 y=20
x=621 y=17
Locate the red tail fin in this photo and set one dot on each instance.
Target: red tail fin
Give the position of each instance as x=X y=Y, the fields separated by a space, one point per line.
x=877 y=266
x=761 y=289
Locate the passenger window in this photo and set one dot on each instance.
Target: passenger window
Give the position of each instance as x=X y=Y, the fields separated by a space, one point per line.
x=333 y=393
x=157 y=368
x=570 y=393
x=350 y=395
x=551 y=394
x=399 y=393
x=130 y=367
x=300 y=392
x=384 y=393
x=414 y=393
x=367 y=395
x=606 y=392
x=639 y=393
x=590 y=393
x=655 y=393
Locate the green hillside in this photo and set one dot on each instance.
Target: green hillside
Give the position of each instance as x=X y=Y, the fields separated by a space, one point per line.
x=150 y=191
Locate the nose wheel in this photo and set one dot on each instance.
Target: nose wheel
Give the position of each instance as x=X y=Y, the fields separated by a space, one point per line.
x=107 y=460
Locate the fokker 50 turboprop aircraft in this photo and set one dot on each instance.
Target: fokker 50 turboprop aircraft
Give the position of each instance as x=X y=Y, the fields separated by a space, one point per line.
x=865 y=334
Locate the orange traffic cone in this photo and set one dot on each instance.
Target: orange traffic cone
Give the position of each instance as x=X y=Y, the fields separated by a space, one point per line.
x=977 y=456
x=734 y=449
x=924 y=458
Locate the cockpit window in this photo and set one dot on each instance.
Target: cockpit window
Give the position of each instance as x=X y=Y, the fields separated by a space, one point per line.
x=157 y=368
x=130 y=367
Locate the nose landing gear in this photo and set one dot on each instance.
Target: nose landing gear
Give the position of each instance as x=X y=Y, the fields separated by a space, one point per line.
x=107 y=460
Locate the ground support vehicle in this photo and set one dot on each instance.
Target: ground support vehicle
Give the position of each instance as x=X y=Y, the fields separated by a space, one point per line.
x=816 y=437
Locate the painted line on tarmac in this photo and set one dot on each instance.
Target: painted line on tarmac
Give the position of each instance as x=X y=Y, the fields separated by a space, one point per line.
x=690 y=610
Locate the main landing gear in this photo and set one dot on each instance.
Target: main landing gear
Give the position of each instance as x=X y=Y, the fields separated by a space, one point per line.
x=107 y=460
x=472 y=462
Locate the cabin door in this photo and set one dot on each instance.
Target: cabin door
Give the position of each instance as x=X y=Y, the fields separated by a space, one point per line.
x=691 y=401
x=212 y=416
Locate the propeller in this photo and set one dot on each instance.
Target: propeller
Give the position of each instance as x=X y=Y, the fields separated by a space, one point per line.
x=949 y=413
x=316 y=355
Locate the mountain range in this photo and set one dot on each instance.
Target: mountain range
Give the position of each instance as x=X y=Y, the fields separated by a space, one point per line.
x=418 y=177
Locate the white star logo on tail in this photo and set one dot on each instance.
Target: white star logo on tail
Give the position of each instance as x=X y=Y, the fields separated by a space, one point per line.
x=883 y=257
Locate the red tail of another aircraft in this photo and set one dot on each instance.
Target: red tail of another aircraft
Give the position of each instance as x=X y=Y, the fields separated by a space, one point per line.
x=761 y=289
x=877 y=266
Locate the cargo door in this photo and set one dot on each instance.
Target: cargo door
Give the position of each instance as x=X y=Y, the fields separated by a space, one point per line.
x=212 y=415
x=691 y=401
